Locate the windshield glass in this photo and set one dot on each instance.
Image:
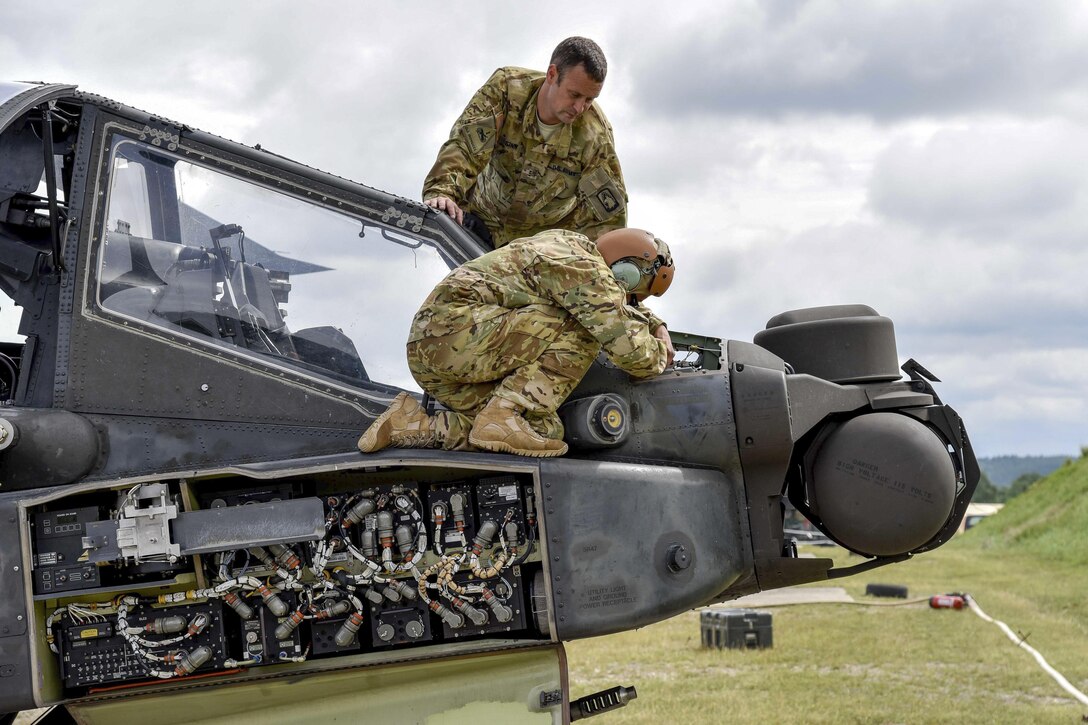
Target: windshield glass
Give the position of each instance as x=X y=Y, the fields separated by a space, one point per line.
x=233 y=263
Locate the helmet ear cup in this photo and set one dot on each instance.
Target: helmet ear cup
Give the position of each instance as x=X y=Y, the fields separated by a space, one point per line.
x=661 y=281
x=627 y=274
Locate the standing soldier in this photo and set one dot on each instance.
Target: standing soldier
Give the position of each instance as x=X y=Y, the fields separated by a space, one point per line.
x=504 y=339
x=532 y=152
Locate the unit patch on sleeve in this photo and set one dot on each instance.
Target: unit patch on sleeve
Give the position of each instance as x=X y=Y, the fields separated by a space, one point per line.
x=602 y=193
x=479 y=136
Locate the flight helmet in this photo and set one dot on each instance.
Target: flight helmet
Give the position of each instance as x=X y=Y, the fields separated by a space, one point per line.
x=639 y=261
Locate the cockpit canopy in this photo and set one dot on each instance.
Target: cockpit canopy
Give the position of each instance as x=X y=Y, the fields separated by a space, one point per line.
x=191 y=246
x=225 y=261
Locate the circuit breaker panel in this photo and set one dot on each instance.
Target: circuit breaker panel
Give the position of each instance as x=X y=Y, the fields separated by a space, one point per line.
x=176 y=578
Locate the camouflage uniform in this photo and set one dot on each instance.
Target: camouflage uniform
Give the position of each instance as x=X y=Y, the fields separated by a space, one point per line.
x=497 y=165
x=524 y=323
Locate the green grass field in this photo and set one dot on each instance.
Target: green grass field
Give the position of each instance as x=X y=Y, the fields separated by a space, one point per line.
x=843 y=663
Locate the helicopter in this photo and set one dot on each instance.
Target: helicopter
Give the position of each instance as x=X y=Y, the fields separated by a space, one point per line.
x=207 y=327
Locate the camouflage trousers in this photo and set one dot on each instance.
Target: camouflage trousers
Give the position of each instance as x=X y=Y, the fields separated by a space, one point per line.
x=532 y=356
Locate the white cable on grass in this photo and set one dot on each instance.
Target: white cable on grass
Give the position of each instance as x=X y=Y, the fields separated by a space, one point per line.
x=1019 y=642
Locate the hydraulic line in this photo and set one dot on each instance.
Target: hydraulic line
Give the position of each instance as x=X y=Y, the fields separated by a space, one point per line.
x=973 y=606
x=1019 y=642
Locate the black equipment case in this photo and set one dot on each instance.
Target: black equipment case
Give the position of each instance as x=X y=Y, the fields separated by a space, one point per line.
x=736 y=628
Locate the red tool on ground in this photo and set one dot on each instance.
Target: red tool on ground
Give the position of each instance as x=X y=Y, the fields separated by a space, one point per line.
x=946 y=601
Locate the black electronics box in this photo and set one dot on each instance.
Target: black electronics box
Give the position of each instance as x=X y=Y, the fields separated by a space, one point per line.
x=59 y=562
x=736 y=629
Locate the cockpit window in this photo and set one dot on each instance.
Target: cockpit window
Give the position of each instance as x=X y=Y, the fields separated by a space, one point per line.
x=194 y=250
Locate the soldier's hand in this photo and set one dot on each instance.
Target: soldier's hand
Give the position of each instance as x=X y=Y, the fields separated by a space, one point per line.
x=662 y=333
x=448 y=205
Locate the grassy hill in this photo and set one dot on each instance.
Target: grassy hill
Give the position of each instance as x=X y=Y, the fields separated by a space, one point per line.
x=841 y=663
x=1049 y=520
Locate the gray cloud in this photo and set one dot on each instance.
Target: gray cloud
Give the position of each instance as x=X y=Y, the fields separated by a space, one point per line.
x=363 y=93
x=946 y=294
x=1002 y=181
x=886 y=60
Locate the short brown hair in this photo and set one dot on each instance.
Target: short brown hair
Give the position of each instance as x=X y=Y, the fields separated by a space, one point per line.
x=576 y=51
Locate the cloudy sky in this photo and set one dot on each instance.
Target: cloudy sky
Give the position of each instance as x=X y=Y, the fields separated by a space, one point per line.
x=925 y=158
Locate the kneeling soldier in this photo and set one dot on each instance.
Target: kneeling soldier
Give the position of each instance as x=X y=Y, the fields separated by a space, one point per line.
x=505 y=338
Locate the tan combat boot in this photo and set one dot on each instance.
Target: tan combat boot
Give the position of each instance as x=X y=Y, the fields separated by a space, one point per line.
x=404 y=424
x=499 y=428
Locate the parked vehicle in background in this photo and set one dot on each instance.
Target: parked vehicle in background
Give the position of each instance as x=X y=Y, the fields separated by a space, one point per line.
x=976 y=512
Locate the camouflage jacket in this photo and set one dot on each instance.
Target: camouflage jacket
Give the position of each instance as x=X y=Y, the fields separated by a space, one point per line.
x=497 y=165
x=561 y=275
